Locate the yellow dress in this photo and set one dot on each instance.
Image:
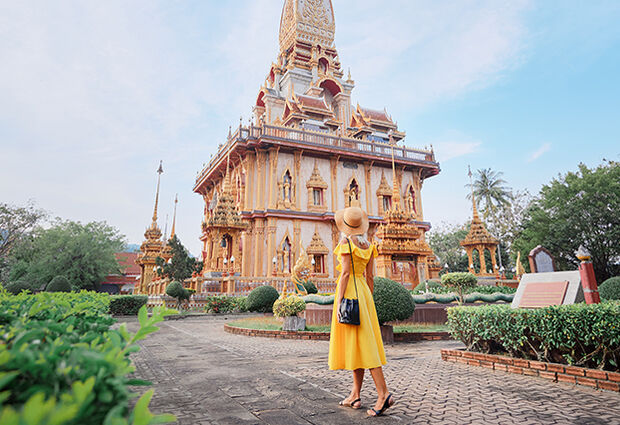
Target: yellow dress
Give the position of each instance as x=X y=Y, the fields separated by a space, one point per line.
x=356 y=346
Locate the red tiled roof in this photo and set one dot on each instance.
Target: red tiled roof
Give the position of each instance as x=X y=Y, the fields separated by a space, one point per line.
x=127 y=262
x=380 y=116
x=313 y=102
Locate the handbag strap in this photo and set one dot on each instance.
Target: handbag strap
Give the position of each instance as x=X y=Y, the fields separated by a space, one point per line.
x=352 y=268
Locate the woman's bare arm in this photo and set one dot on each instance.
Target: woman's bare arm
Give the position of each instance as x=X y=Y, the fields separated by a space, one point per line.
x=344 y=277
x=370 y=273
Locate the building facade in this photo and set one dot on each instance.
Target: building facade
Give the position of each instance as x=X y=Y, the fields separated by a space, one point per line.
x=273 y=185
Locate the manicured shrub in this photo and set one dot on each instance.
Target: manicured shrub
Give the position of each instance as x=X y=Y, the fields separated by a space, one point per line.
x=610 y=289
x=17 y=287
x=460 y=283
x=127 y=305
x=58 y=284
x=392 y=300
x=579 y=334
x=261 y=299
x=289 y=306
x=240 y=304
x=310 y=287
x=176 y=290
x=63 y=363
x=219 y=304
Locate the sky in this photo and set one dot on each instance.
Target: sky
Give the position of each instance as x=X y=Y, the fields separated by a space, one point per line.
x=94 y=94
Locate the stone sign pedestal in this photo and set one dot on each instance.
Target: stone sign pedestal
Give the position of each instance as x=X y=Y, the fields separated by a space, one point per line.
x=545 y=289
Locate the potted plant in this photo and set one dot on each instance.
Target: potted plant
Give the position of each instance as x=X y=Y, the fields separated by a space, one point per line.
x=288 y=308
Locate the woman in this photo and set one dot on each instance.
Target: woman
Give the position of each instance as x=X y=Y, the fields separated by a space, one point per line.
x=357 y=347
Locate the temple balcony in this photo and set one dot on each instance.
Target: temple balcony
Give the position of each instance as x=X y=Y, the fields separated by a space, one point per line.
x=319 y=142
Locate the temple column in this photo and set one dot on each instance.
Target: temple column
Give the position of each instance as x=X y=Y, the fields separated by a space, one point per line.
x=272 y=182
x=334 y=169
x=296 y=240
x=335 y=240
x=297 y=190
x=271 y=244
x=261 y=159
x=246 y=243
x=483 y=264
x=493 y=252
x=367 y=169
x=259 y=246
x=250 y=182
x=470 y=258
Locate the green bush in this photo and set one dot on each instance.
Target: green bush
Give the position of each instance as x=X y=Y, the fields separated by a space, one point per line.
x=17 y=287
x=460 y=283
x=610 y=289
x=261 y=299
x=310 y=287
x=61 y=361
x=579 y=334
x=220 y=304
x=289 y=306
x=127 y=305
x=176 y=290
x=392 y=300
x=58 y=284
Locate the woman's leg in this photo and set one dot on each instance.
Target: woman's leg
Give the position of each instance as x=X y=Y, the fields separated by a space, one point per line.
x=382 y=390
x=358 y=379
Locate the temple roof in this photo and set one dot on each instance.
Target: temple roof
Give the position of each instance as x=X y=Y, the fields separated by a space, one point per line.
x=308 y=21
x=478 y=234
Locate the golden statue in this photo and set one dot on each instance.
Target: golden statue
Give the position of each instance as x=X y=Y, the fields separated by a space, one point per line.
x=301 y=271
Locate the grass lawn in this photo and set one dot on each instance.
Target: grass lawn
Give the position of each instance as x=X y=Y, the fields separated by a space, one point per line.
x=273 y=324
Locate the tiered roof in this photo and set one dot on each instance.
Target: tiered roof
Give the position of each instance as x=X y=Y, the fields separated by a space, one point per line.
x=478 y=234
x=226 y=214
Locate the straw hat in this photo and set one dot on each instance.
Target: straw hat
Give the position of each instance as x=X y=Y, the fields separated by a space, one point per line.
x=352 y=221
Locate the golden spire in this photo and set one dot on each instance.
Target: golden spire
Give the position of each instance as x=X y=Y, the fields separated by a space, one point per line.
x=473 y=198
x=395 y=185
x=159 y=171
x=227 y=186
x=174 y=217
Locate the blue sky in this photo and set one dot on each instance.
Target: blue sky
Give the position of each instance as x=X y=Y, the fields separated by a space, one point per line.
x=93 y=94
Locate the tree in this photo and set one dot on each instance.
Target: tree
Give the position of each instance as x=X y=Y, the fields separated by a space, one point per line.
x=58 y=284
x=460 y=282
x=490 y=191
x=176 y=290
x=579 y=208
x=16 y=224
x=445 y=242
x=181 y=266
x=84 y=254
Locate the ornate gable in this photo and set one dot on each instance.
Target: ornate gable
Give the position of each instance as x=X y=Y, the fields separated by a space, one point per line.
x=384 y=188
x=316 y=245
x=315 y=180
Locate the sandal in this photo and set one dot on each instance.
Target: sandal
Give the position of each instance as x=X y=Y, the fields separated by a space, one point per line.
x=386 y=405
x=351 y=404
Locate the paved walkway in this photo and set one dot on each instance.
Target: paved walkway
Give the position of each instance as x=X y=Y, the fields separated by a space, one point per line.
x=207 y=376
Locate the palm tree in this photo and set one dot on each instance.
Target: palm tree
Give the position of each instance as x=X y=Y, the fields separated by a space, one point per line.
x=490 y=191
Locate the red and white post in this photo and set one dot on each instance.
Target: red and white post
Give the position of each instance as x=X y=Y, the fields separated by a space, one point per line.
x=588 y=279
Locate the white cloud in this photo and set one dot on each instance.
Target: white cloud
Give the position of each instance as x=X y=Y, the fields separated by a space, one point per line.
x=445 y=151
x=546 y=147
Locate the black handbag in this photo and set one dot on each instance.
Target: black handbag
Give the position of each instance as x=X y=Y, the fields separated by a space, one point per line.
x=349 y=308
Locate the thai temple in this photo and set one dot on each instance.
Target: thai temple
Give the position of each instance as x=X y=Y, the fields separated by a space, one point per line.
x=273 y=185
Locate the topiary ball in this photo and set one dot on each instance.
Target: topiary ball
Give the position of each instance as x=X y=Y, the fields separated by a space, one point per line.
x=18 y=286
x=392 y=300
x=176 y=290
x=261 y=299
x=58 y=284
x=310 y=287
x=610 y=289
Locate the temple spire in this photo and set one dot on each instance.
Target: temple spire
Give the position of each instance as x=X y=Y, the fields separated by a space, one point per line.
x=395 y=182
x=473 y=198
x=174 y=217
x=160 y=170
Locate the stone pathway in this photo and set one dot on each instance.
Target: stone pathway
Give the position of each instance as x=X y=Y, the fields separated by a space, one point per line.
x=204 y=375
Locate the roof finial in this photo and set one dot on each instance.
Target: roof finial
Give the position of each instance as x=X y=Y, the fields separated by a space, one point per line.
x=166 y=227
x=174 y=217
x=473 y=199
x=159 y=171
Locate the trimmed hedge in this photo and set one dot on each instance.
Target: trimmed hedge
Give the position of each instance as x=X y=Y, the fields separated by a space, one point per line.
x=127 y=305
x=61 y=363
x=261 y=299
x=580 y=334
x=610 y=289
x=392 y=300
x=17 y=287
x=58 y=284
x=225 y=304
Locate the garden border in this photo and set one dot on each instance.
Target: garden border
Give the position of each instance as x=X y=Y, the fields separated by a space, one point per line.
x=595 y=378
x=324 y=336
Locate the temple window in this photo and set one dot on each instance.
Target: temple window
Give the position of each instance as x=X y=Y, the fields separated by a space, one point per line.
x=351 y=196
x=286 y=191
x=318 y=264
x=285 y=265
x=286 y=183
x=318 y=253
x=410 y=201
x=323 y=65
x=316 y=190
x=387 y=203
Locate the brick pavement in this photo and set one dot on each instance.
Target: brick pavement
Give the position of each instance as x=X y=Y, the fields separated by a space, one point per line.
x=207 y=376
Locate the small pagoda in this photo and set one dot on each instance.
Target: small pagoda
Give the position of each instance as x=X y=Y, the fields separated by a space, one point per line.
x=403 y=252
x=223 y=227
x=151 y=248
x=479 y=239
